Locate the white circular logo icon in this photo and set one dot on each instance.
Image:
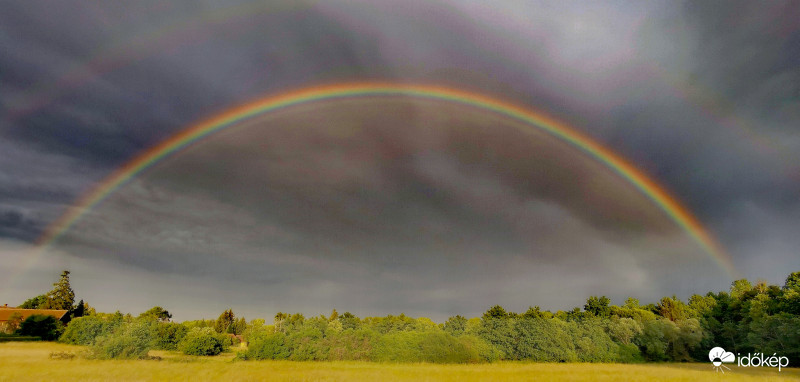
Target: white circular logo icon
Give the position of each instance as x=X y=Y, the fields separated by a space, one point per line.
x=718 y=356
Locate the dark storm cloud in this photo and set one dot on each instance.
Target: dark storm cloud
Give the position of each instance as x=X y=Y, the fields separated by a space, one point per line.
x=392 y=204
x=702 y=96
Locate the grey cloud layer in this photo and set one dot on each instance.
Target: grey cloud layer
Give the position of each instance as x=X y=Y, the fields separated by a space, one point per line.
x=704 y=97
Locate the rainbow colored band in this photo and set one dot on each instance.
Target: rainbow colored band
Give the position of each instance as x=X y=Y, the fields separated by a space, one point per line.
x=678 y=213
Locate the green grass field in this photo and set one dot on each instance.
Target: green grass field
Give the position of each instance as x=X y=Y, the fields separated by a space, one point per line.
x=30 y=361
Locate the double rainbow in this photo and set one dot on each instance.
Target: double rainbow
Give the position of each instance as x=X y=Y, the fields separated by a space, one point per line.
x=677 y=212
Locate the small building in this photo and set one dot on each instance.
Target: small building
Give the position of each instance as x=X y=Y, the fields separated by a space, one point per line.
x=7 y=312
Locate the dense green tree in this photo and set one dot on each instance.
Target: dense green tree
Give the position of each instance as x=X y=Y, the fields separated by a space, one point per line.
x=455 y=325
x=62 y=296
x=349 y=321
x=334 y=315
x=598 y=306
x=740 y=287
x=240 y=326
x=623 y=330
x=79 y=310
x=542 y=340
x=435 y=347
x=34 y=302
x=496 y=311
x=167 y=335
x=632 y=303
x=790 y=298
x=127 y=341
x=279 y=320
x=536 y=312
x=157 y=313
x=271 y=346
x=85 y=330
x=202 y=341
x=498 y=330
x=672 y=309
x=224 y=323
x=44 y=326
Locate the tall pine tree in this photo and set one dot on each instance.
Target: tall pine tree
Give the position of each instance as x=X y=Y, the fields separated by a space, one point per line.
x=62 y=296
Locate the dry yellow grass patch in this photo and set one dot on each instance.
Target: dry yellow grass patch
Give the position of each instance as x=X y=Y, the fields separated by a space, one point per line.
x=30 y=362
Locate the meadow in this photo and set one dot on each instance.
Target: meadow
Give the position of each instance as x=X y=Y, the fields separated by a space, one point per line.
x=31 y=361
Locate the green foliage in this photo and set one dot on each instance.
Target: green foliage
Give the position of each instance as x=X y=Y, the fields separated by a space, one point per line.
x=13 y=323
x=499 y=332
x=167 y=335
x=79 y=310
x=202 y=341
x=598 y=306
x=623 y=330
x=62 y=296
x=84 y=330
x=740 y=287
x=536 y=312
x=542 y=340
x=758 y=318
x=592 y=343
x=270 y=346
x=350 y=344
x=672 y=309
x=128 y=341
x=34 y=302
x=349 y=321
x=44 y=326
x=435 y=347
x=495 y=312
x=225 y=322
x=456 y=325
x=157 y=313
x=391 y=324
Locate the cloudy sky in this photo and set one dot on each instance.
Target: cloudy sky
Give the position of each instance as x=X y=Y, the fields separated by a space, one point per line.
x=383 y=205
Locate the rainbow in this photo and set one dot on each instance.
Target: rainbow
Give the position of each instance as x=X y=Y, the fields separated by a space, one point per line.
x=677 y=212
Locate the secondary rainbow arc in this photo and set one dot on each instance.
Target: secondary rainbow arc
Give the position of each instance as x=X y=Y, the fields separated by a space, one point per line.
x=657 y=194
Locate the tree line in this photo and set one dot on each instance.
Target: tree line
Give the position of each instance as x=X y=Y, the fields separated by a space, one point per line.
x=748 y=318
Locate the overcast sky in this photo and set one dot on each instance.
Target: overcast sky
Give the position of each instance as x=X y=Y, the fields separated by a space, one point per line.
x=388 y=205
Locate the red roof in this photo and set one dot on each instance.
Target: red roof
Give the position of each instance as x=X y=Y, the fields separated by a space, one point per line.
x=6 y=313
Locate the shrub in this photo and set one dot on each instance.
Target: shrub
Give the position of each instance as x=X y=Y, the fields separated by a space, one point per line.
x=202 y=341
x=269 y=346
x=544 y=340
x=167 y=335
x=46 y=327
x=84 y=330
x=485 y=351
x=350 y=344
x=431 y=346
x=62 y=355
x=129 y=341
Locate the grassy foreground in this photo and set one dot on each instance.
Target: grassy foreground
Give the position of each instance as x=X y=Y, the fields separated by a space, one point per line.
x=30 y=361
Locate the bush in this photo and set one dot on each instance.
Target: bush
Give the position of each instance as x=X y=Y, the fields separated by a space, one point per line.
x=269 y=346
x=544 y=340
x=431 y=346
x=46 y=327
x=202 y=341
x=167 y=335
x=84 y=330
x=62 y=355
x=350 y=344
x=129 y=341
